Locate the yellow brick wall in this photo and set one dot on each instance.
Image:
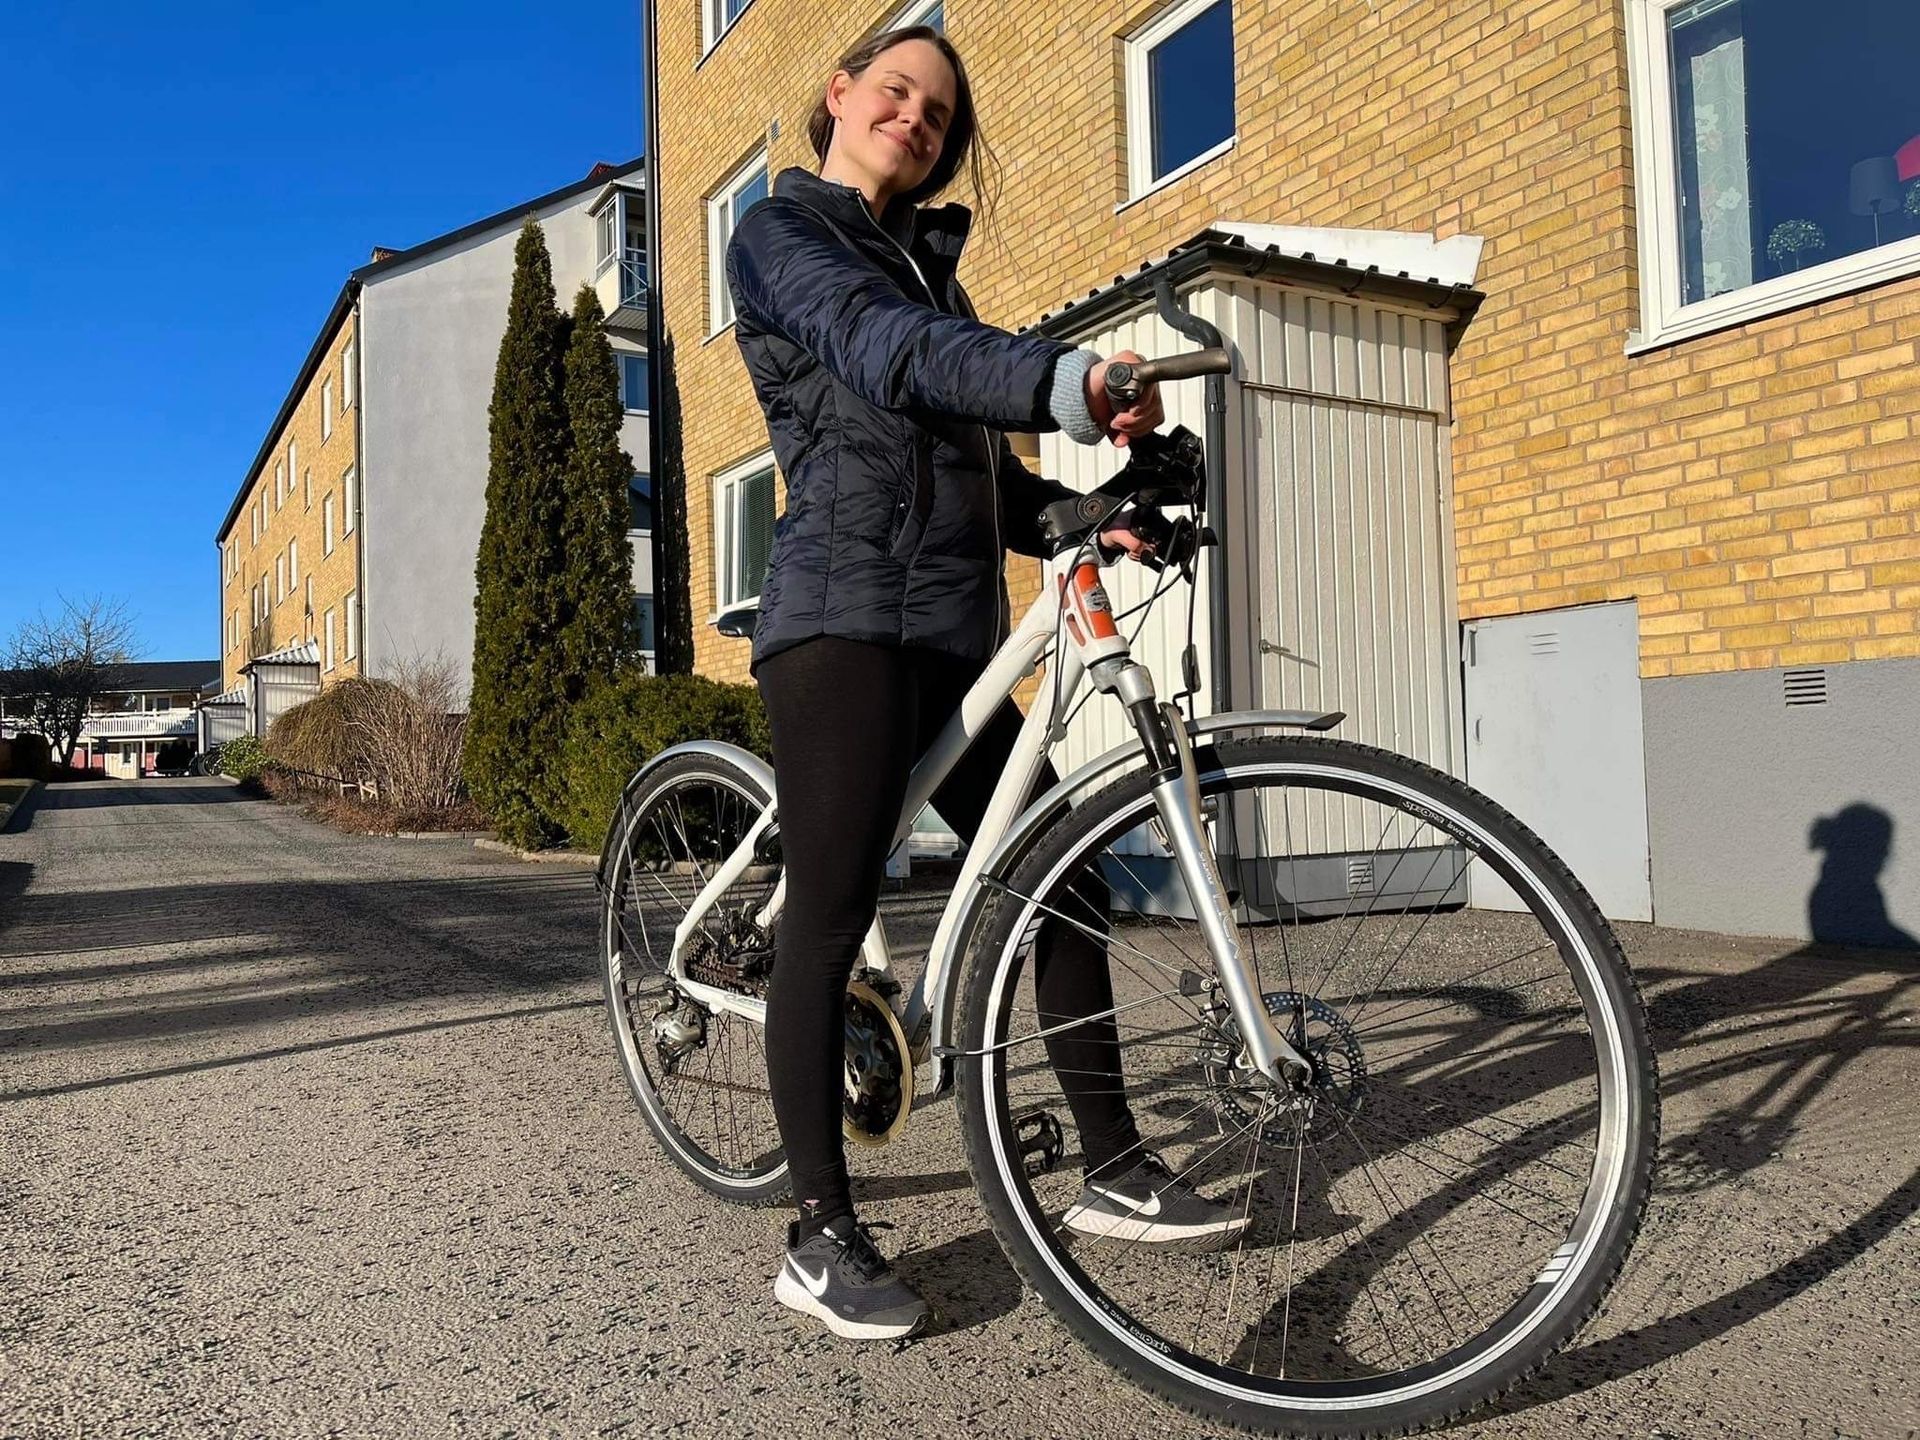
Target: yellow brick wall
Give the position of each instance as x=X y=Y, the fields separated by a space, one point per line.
x=1756 y=488
x=323 y=463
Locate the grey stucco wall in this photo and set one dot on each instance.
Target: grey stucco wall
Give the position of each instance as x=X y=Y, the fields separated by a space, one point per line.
x=430 y=334
x=1770 y=819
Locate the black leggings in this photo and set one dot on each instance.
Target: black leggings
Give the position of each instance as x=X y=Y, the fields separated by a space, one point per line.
x=849 y=721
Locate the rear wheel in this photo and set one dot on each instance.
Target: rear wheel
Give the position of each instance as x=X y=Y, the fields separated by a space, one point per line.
x=1448 y=1197
x=699 y=1074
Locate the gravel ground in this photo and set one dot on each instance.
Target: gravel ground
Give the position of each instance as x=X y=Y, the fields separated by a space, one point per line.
x=311 y=1134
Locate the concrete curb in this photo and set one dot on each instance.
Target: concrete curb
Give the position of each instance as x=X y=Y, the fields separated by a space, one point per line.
x=540 y=857
x=8 y=809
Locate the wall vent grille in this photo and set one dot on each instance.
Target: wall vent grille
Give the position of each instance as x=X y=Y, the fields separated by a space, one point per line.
x=1805 y=687
x=1544 y=642
x=1360 y=875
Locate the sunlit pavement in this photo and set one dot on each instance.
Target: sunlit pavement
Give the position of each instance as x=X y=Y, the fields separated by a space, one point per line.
x=305 y=1133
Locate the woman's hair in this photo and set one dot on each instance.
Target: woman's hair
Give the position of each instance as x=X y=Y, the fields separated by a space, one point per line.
x=963 y=143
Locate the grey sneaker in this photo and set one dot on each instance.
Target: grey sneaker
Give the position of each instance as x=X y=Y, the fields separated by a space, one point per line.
x=839 y=1277
x=1149 y=1205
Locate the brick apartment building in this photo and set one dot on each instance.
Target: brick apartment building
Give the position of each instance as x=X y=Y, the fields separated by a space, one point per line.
x=349 y=547
x=1650 y=374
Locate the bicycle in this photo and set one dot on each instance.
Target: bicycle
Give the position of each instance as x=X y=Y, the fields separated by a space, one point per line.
x=1440 y=1121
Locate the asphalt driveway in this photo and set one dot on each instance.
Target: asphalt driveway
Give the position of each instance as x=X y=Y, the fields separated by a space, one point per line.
x=310 y=1134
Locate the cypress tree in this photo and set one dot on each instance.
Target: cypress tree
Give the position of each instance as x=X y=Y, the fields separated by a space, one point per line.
x=594 y=599
x=517 y=708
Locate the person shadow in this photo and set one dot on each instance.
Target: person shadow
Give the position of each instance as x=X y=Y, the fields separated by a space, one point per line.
x=1847 y=906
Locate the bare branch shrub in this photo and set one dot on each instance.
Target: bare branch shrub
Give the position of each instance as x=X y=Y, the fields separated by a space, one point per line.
x=406 y=732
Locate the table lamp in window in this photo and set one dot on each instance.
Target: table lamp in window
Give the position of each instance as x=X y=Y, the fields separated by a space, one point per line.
x=1875 y=189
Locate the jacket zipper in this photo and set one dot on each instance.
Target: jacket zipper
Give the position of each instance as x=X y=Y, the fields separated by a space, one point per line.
x=993 y=458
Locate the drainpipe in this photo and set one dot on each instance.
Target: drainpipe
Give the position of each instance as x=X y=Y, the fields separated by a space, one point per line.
x=359 y=481
x=656 y=407
x=1194 y=328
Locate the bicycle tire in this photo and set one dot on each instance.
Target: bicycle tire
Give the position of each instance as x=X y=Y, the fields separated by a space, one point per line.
x=761 y=1187
x=1574 y=1295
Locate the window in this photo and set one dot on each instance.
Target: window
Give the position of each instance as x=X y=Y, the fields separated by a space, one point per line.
x=743 y=189
x=279 y=484
x=326 y=408
x=227 y=553
x=306 y=609
x=742 y=531
x=719 y=15
x=326 y=524
x=306 y=487
x=606 y=228
x=353 y=625
x=1179 y=92
x=349 y=489
x=327 y=653
x=293 y=565
x=279 y=578
x=633 y=383
x=1778 y=153
x=920 y=12
x=643 y=621
x=640 y=503
x=347 y=358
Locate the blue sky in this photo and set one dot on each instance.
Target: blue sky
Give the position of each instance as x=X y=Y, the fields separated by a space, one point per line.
x=183 y=189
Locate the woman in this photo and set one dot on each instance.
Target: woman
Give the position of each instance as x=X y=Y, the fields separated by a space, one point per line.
x=884 y=597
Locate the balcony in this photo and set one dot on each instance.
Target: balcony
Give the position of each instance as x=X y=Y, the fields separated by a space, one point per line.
x=138 y=725
x=622 y=287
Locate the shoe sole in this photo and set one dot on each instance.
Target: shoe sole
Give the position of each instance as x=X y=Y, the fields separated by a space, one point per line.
x=1132 y=1231
x=796 y=1297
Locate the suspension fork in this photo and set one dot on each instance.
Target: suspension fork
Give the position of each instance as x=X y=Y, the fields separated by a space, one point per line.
x=1176 y=794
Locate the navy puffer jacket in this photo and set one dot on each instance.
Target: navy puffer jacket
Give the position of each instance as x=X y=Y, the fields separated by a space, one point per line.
x=885 y=401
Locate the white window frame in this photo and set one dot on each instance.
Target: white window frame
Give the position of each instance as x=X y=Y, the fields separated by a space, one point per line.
x=279 y=482
x=620 y=359
x=606 y=235
x=915 y=13
x=329 y=650
x=326 y=524
x=326 y=409
x=347 y=357
x=279 y=578
x=1141 y=181
x=307 y=610
x=714 y=24
x=1664 y=319
x=349 y=483
x=353 y=627
x=719 y=231
x=293 y=566
x=725 y=486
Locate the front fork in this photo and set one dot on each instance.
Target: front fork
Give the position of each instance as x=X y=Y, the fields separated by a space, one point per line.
x=1176 y=794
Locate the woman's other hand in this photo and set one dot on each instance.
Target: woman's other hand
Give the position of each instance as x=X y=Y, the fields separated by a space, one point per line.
x=1120 y=535
x=1143 y=417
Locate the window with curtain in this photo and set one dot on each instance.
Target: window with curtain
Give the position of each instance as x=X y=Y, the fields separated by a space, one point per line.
x=743 y=535
x=1796 y=135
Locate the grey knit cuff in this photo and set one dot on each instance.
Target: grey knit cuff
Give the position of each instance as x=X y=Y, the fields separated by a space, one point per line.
x=1068 y=401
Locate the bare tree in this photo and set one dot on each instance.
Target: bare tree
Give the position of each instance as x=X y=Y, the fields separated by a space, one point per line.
x=62 y=663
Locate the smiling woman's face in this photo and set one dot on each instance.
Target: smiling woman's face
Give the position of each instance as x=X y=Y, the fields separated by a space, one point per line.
x=891 y=120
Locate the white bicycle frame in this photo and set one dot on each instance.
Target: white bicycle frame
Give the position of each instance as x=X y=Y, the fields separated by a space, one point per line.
x=1073 y=604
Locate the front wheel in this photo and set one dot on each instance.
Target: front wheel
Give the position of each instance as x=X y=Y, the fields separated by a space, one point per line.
x=1426 y=1219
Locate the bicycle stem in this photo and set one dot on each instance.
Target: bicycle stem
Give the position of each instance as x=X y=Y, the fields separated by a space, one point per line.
x=1176 y=794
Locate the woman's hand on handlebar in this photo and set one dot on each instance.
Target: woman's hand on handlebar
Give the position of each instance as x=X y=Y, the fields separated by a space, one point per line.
x=1136 y=532
x=1142 y=417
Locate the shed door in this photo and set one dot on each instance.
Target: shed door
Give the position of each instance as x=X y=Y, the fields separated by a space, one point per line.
x=1554 y=734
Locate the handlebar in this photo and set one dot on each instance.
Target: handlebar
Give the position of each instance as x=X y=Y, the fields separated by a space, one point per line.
x=1124 y=379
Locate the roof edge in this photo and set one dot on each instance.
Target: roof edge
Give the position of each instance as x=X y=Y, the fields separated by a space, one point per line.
x=330 y=327
x=378 y=268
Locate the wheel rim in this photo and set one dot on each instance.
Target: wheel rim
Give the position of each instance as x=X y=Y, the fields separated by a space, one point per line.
x=710 y=1095
x=1522 y=1106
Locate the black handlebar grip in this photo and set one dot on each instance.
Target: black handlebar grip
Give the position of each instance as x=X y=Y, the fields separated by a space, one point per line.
x=1125 y=379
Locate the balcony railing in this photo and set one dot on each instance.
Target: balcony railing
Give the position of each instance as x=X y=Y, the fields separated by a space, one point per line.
x=633 y=279
x=137 y=724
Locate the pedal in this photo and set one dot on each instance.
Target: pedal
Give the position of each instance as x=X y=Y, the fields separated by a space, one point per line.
x=1042 y=1144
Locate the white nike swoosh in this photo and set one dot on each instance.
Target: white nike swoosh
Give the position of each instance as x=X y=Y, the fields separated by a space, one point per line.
x=1152 y=1207
x=816 y=1288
